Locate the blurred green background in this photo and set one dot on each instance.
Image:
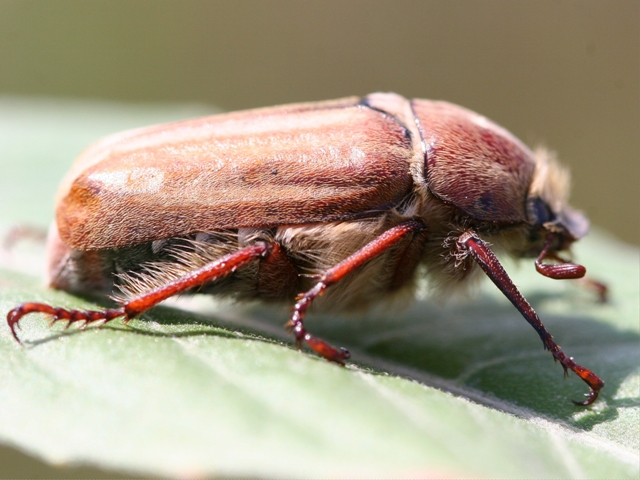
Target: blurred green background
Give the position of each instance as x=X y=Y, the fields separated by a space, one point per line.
x=562 y=73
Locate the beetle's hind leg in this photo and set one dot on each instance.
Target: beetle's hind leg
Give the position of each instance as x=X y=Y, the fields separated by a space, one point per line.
x=333 y=275
x=210 y=272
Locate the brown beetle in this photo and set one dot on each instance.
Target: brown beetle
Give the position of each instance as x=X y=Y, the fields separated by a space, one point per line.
x=344 y=198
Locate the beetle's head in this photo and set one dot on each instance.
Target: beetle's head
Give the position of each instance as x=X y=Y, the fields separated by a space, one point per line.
x=566 y=226
x=553 y=224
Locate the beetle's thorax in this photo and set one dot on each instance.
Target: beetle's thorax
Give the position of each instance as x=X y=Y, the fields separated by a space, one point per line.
x=469 y=174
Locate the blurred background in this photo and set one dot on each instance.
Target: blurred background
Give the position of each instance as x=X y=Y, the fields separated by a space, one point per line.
x=562 y=73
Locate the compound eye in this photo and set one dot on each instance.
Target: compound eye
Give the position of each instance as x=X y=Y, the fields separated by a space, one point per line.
x=539 y=212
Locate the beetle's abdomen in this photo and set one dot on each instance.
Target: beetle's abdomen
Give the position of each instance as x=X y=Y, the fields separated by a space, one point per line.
x=297 y=255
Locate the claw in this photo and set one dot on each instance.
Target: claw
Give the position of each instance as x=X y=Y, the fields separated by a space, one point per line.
x=327 y=351
x=13 y=324
x=591 y=397
x=59 y=314
x=594 y=382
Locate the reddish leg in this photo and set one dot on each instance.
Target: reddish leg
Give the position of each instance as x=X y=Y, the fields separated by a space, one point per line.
x=564 y=269
x=209 y=273
x=560 y=271
x=374 y=248
x=471 y=243
x=598 y=287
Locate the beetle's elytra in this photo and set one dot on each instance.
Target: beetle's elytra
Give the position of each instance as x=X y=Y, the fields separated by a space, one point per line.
x=343 y=199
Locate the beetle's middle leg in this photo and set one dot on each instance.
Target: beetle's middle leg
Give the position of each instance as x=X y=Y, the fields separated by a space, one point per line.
x=336 y=273
x=208 y=273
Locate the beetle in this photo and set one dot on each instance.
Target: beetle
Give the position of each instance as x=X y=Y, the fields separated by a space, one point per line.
x=343 y=199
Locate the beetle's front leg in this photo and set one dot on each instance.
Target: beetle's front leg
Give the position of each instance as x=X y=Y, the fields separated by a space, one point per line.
x=208 y=273
x=333 y=275
x=471 y=243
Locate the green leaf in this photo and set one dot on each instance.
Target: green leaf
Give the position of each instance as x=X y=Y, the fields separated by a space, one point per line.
x=206 y=388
